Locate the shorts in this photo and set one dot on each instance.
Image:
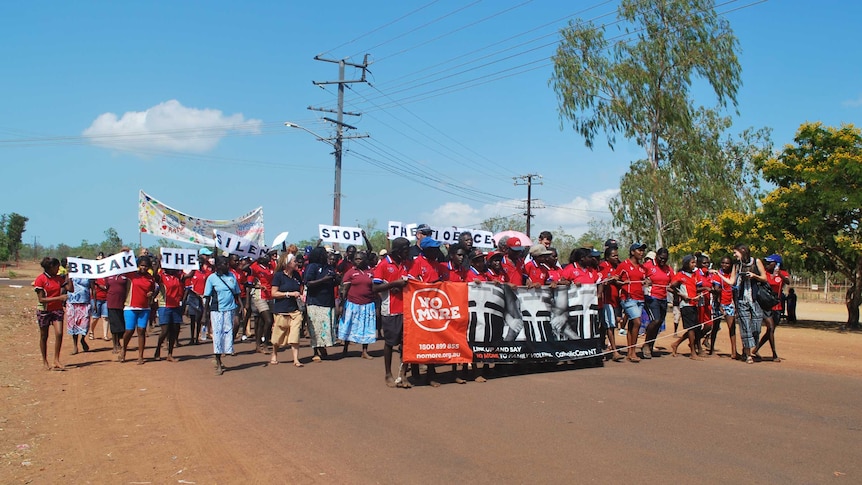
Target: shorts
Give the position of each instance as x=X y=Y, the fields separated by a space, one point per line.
x=136 y=318
x=689 y=317
x=262 y=305
x=729 y=310
x=100 y=309
x=170 y=315
x=609 y=315
x=393 y=329
x=116 y=320
x=775 y=315
x=46 y=318
x=633 y=308
x=286 y=328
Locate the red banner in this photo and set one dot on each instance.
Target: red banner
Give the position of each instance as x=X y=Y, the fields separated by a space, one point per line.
x=435 y=323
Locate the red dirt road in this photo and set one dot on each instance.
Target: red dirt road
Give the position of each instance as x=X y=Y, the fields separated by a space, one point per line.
x=670 y=418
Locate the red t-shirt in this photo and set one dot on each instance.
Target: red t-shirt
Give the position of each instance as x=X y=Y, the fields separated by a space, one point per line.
x=777 y=283
x=611 y=294
x=423 y=270
x=263 y=274
x=199 y=279
x=241 y=278
x=660 y=278
x=99 y=293
x=514 y=271
x=688 y=288
x=632 y=275
x=448 y=273
x=473 y=274
x=536 y=273
x=581 y=276
x=139 y=286
x=498 y=277
x=360 y=281
x=726 y=297
x=52 y=286
x=391 y=300
x=171 y=289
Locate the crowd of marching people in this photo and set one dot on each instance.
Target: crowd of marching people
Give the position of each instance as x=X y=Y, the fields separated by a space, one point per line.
x=356 y=298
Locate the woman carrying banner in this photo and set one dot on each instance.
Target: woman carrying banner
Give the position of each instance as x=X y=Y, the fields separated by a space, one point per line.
x=320 y=280
x=222 y=291
x=170 y=310
x=140 y=290
x=610 y=301
x=358 y=323
x=286 y=291
x=78 y=311
x=631 y=274
x=49 y=291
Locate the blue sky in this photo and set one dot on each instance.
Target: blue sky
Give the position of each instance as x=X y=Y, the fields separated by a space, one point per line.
x=459 y=94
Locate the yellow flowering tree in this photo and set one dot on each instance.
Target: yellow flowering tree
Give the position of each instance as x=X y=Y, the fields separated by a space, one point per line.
x=813 y=212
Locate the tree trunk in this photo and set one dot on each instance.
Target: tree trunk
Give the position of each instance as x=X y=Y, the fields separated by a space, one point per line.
x=854 y=296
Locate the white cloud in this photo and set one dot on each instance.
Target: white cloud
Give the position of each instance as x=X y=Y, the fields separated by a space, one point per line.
x=572 y=216
x=167 y=126
x=852 y=103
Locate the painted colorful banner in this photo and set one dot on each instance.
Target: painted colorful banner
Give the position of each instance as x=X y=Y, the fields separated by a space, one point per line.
x=90 y=269
x=447 y=235
x=492 y=322
x=176 y=258
x=162 y=221
x=235 y=244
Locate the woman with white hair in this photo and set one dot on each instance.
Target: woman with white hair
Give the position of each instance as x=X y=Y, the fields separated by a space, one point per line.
x=286 y=291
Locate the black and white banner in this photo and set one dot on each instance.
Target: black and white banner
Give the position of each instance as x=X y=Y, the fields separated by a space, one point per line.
x=234 y=244
x=446 y=235
x=91 y=269
x=175 y=258
x=539 y=324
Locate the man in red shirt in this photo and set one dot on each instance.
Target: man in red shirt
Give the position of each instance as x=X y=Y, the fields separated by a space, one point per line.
x=513 y=261
x=390 y=277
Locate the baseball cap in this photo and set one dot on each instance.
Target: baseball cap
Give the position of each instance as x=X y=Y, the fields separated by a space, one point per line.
x=493 y=254
x=424 y=229
x=515 y=243
x=428 y=242
x=537 y=250
x=477 y=253
x=206 y=251
x=774 y=258
x=595 y=254
x=612 y=243
x=637 y=245
x=382 y=252
x=399 y=243
x=650 y=255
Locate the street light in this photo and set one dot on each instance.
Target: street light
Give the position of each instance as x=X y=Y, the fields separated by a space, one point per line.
x=336 y=196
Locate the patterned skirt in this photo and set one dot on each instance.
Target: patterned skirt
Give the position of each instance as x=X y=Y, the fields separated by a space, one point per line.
x=77 y=318
x=358 y=324
x=320 y=330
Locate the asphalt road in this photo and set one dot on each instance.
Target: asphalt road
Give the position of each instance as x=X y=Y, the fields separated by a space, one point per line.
x=717 y=421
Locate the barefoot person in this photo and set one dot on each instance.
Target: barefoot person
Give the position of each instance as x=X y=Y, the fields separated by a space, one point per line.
x=78 y=311
x=358 y=322
x=140 y=290
x=320 y=282
x=222 y=290
x=630 y=280
x=390 y=277
x=49 y=290
x=286 y=291
x=170 y=310
x=726 y=301
x=684 y=284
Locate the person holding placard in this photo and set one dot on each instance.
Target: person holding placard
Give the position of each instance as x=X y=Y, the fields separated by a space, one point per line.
x=170 y=310
x=320 y=280
x=140 y=290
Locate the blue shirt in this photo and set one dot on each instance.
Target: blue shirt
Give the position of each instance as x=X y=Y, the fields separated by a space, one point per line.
x=225 y=287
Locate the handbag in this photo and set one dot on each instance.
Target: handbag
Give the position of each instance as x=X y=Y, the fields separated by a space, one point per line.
x=766 y=297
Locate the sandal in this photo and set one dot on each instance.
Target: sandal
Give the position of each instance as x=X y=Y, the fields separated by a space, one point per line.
x=298 y=364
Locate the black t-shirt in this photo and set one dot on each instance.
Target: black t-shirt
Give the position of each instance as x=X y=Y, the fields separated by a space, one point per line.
x=285 y=284
x=322 y=294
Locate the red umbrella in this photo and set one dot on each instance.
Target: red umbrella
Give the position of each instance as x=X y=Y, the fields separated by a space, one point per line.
x=525 y=240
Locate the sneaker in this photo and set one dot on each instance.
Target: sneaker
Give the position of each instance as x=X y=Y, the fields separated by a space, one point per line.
x=244 y=338
x=623 y=332
x=647 y=353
